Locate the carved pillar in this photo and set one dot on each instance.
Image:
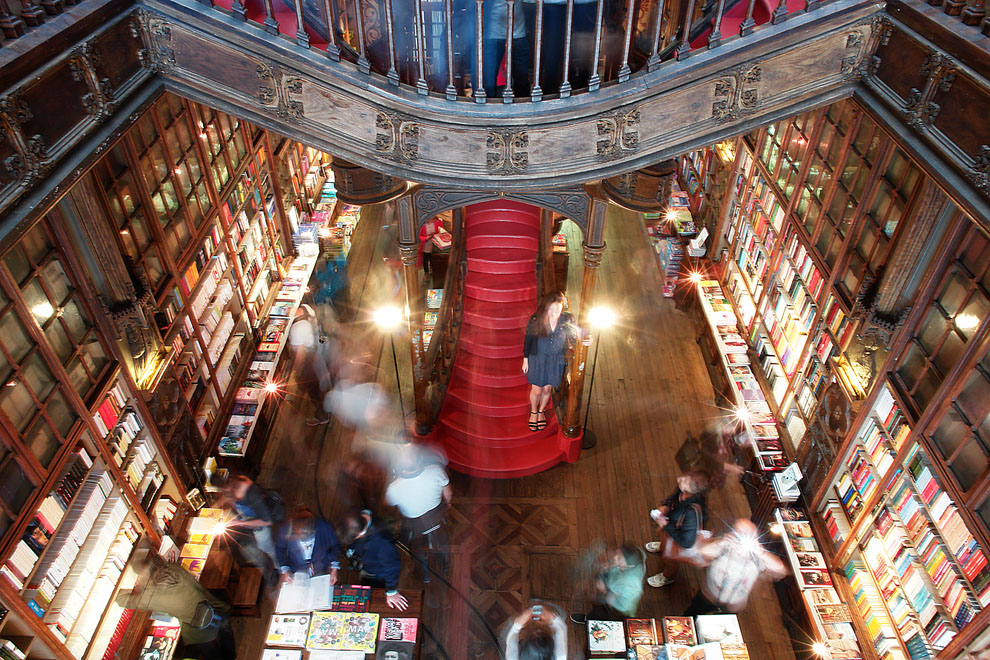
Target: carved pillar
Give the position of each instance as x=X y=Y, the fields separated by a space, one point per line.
x=594 y=246
x=646 y=190
x=929 y=206
x=409 y=251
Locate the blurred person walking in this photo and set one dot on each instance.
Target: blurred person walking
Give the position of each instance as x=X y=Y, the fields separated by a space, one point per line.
x=254 y=515
x=421 y=491
x=681 y=521
x=616 y=583
x=310 y=353
x=736 y=562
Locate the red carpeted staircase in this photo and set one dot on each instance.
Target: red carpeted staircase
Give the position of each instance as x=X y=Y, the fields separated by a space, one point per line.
x=483 y=424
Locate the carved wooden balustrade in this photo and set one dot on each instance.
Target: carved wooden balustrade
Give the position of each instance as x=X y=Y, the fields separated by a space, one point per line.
x=971 y=13
x=518 y=52
x=443 y=345
x=18 y=18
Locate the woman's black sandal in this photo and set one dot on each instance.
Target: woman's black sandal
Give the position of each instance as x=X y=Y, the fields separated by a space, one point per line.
x=534 y=425
x=541 y=423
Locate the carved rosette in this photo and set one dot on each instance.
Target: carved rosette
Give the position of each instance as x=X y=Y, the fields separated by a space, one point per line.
x=618 y=135
x=275 y=90
x=507 y=151
x=738 y=95
x=397 y=138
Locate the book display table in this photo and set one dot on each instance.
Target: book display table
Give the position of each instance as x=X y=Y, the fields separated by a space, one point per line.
x=346 y=623
x=706 y=637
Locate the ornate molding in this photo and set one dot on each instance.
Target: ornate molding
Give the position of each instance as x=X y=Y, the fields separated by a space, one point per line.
x=593 y=255
x=979 y=173
x=397 y=136
x=940 y=71
x=100 y=103
x=739 y=93
x=573 y=204
x=507 y=151
x=31 y=162
x=618 y=135
x=156 y=33
x=275 y=95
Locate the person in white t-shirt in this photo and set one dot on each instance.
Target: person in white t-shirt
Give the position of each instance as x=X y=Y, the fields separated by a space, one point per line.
x=310 y=356
x=421 y=491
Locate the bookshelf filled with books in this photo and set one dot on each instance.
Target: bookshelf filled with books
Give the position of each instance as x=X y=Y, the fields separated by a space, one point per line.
x=898 y=533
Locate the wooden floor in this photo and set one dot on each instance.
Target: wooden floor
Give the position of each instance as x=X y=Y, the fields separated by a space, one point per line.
x=517 y=539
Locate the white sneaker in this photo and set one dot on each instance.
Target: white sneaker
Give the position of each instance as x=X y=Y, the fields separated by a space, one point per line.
x=653 y=546
x=659 y=580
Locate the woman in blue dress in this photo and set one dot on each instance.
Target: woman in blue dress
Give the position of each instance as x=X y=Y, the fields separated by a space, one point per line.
x=549 y=333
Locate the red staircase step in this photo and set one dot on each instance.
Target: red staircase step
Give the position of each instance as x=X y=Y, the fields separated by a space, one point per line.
x=498 y=317
x=509 y=288
x=492 y=343
x=489 y=401
x=490 y=463
x=501 y=260
x=495 y=432
x=499 y=226
x=489 y=372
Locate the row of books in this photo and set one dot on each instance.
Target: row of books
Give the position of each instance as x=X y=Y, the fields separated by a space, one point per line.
x=250 y=396
x=761 y=424
x=831 y=619
x=706 y=637
x=358 y=632
x=19 y=567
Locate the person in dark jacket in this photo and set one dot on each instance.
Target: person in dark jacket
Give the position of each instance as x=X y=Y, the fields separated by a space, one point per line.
x=253 y=517
x=372 y=546
x=307 y=544
x=549 y=333
x=681 y=518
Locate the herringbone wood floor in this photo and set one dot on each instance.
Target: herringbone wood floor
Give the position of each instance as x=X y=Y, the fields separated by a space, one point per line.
x=518 y=539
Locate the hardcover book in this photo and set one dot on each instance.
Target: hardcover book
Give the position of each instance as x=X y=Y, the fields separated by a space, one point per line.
x=288 y=630
x=605 y=637
x=679 y=630
x=345 y=631
x=641 y=631
x=719 y=628
x=398 y=629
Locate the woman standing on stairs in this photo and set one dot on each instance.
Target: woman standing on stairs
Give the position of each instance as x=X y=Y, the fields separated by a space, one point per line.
x=549 y=333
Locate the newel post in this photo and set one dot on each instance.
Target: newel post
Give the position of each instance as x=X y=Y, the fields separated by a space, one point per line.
x=409 y=252
x=594 y=247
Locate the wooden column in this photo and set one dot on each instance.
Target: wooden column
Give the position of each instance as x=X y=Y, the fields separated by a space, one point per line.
x=594 y=246
x=409 y=251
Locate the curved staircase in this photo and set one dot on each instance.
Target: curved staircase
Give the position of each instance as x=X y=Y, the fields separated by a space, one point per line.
x=483 y=424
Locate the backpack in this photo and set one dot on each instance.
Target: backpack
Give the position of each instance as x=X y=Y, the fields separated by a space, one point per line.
x=275 y=505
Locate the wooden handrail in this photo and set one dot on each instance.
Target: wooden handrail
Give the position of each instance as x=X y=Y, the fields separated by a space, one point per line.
x=439 y=361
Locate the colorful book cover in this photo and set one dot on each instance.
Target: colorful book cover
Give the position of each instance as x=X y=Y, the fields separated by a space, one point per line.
x=606 y=637
x=650 y=652
x=822 y=597
x=803 y=545
x=398 y=629
x=789 y=514
x=345 y=631
x=430 y=319
x=351 y=598
x=810 y=559
x=815 y=578
x=799 y=529
x=433 y=298
x=195 y=550
x=641 y=631
x=833 y=613
x=710 y=651
x=288 y=630
x=679 y=630
x=739 y=652
x=281 y=654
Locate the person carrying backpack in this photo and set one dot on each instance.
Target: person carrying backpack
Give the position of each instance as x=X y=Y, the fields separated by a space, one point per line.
x=681 y=520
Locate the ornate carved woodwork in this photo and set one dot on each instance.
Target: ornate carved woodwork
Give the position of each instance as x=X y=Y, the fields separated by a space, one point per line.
x=572 y=203
x=519 y=147
x=937 y=96
x=49 y=113
x=359 y=185
x=644 y=190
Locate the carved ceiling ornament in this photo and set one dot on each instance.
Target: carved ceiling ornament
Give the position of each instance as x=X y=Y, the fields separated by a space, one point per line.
x=156 y=33
x=398 y=137
x=940 y=71
x=31 y=161
x=618 y=135
x=275 y=96
x=571 y=203
x=507 y=151
x=100 y=103
x=980 y=172
x=739 y=93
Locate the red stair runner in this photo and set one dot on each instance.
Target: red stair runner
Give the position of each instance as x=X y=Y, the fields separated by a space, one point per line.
x=484 y=423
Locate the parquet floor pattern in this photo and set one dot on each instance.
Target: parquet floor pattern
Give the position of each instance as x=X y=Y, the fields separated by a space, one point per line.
x=515 y=540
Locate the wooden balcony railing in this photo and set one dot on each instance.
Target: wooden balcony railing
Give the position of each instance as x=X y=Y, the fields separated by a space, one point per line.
x=17 y=18
x=966 y=18
x=532 y=49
